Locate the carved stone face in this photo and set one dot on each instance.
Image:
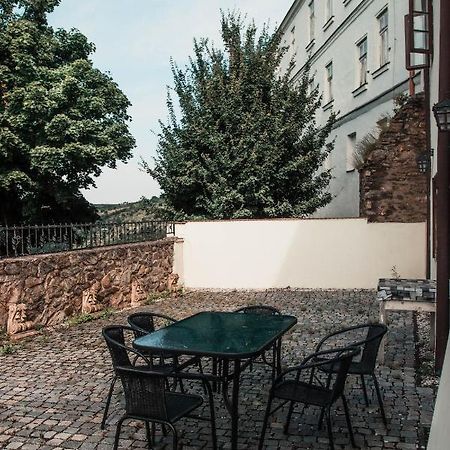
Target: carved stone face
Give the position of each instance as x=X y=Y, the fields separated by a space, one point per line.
x=89 y=302
x=20 y=314
x=137 y=293
x=172 y=281
x=17 y=318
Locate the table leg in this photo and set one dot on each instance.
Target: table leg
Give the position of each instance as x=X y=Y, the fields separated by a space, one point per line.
x=278 y=344
x=235 y=405
x=214 y=372
x=383 y=321
x=224 y=383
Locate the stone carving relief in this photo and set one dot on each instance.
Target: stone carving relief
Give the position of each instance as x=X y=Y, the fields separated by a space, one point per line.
x=172 y=281
x=89 y=303
x=17 y=319
x=138 y=294
x=66 y=284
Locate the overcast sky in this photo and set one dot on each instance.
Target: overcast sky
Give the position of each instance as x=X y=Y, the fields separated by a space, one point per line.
x=135 y=40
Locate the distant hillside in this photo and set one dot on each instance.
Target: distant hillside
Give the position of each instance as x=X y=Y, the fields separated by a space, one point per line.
x=144 y=209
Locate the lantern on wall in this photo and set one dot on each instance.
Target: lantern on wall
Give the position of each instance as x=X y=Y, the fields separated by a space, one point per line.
x=441 y=113
x=423 y=162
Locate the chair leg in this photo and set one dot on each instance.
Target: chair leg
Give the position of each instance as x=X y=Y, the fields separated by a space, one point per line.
x=330 y=430
x=380 y=398
x=322 y=414
x=200 y=366
x=264 y=427
x=363 y=384
x=288 y=418
x=108 y=401
x=150 y=441
x=175 y=436
x=349 y=423
x=119 y=426
x=322 y=411
x=212 y=414
x=274 y=361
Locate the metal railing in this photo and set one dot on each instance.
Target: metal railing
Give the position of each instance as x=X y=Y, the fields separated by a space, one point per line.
x=37 y=239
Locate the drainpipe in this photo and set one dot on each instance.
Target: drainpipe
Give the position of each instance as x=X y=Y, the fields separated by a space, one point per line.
x=443 y=165
x=426 y=80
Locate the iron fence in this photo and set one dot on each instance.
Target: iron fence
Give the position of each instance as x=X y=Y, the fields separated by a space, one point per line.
x=37 y=239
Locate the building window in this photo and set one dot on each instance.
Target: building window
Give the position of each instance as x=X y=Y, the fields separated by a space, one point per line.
x=362 y=62
x=329 y=81
x=384 y=41
x=312 y=21
x=350 y=153
x=328 y=10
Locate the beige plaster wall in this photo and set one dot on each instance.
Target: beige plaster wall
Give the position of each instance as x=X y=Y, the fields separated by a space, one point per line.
x=304 y=253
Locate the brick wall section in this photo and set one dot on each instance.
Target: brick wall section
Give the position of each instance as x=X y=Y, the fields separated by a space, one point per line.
x=45 y=290
x=391 y=187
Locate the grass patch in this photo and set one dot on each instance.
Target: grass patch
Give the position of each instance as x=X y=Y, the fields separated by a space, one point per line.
x=106 y=313
x=155 y=296
x=8 y=349
x=79 y=319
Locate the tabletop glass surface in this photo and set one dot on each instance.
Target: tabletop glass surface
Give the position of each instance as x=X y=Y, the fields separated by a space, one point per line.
x=218 y=333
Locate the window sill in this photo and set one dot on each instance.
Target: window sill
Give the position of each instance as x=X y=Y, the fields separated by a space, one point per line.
x=328 y=23
x=380 y=70
x=360 y=90
x=310 y=45
x=328 y=105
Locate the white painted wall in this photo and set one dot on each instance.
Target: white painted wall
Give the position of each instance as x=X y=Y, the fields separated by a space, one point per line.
x=337 y=42
x=302 y=253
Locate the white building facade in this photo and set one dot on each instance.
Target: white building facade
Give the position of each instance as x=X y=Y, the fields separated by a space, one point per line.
x=356 y=53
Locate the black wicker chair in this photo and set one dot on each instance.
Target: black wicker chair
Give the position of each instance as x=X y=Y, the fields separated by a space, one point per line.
x=147 y=399
x=369 y=345
x=274 y=362
x=309 y=389
x=147 y=322
x=115 y=337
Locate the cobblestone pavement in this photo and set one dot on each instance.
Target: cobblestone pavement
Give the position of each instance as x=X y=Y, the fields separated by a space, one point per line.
x=52 y=390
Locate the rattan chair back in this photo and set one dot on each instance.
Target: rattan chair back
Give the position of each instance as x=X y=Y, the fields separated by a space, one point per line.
x=371 y=345
x=144 y=393
x=114 y=336
x=142 y=323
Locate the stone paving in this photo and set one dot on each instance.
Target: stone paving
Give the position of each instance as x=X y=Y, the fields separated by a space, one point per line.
x=52 y=390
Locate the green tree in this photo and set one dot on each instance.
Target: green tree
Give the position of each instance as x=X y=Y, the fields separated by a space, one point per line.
x=61 y=119
x=246 y=144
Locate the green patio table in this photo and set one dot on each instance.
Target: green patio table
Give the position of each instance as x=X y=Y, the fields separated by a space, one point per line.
x=232 y=337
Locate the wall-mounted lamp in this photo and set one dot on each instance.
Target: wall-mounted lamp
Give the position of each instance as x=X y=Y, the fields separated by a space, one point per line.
x=423 y=162
x=441 y=113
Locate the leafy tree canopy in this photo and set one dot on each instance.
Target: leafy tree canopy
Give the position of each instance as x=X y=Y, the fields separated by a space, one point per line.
x=246 y=143
x=61 y=119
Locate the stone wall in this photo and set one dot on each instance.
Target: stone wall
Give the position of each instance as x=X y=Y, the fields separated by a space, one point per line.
x=45 y=290
x=391 y=187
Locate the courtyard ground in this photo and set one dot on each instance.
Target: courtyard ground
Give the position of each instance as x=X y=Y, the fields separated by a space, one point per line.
x=53 y=386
